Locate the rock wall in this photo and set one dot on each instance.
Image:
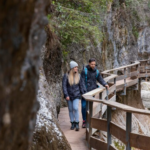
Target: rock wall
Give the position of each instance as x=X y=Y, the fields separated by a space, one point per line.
x=125 y=37
x=47 y=134
x=125 y=30
x=145 y=94
x=22 y=37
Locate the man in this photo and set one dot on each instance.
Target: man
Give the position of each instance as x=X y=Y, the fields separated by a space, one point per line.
x=90 y=75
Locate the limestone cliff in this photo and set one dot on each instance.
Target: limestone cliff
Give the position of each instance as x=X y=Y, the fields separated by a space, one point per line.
x=22 y=36
x=114 y=32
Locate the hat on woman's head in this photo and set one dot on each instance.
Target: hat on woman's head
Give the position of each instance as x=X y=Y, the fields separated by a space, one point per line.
x=73 y=64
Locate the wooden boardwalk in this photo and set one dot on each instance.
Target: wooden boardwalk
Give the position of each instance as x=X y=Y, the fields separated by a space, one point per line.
x=76 y=139
x=97 y=103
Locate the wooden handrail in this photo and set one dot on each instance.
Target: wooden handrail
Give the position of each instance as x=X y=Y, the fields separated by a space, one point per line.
x=110 y=103
x=124 y=107
x=127 y=66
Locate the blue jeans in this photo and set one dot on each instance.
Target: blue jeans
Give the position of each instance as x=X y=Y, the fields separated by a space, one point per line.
x=83 y=102
x=73 y=107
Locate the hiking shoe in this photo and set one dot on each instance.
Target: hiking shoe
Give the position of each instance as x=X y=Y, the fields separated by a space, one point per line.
x=84 y=124
x=73 y=125
x=77 y=126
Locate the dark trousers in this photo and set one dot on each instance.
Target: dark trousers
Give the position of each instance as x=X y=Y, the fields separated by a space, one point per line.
x=83 y=103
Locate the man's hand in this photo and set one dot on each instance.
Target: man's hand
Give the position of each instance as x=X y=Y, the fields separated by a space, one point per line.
x=107 y=86
x=67 y=98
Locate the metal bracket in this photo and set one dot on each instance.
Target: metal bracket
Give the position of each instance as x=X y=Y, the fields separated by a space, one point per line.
x=123 y=93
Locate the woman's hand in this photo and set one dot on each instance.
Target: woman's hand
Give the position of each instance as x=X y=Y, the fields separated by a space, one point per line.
x=67 y=98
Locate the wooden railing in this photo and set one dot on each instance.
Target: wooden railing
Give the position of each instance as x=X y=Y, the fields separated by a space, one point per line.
x=101 y=100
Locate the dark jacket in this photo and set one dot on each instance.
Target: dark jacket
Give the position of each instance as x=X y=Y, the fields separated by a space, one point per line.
x=91 y=78
x=75 y=91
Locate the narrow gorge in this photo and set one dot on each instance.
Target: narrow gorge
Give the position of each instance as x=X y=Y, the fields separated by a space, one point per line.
x=39 y=38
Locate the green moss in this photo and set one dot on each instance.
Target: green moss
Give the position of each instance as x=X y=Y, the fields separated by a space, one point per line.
x=149 y=4
x=78 y=21
x=135 y=32
x=64 y=54
x=119 y=146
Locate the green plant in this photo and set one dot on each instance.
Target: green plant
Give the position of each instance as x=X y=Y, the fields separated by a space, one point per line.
x=149 y=4
x=65 y=54
x=119 y=146
x=78 y=21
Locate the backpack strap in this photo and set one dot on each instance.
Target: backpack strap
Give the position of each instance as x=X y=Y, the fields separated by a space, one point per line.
x=86 y=71
x=97 y=73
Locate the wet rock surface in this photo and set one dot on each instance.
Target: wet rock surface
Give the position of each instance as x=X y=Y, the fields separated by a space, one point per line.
x=47 y=134
x=145 y=94
x=21 y=38
x=126 y=38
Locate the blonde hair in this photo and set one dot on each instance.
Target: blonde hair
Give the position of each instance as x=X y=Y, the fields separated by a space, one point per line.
x=73 y=78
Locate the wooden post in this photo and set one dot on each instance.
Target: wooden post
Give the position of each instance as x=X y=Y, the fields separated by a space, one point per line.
x=87 y=109
x=146 y=71
x=108 y=127
x=125 y=76
x=137 y=85
x=115 y=83
x=100 y=113
x=90 y=116
x=107 y=98
x=128 y=129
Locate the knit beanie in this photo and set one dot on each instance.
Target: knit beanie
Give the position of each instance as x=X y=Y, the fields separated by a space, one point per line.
x=73 y=64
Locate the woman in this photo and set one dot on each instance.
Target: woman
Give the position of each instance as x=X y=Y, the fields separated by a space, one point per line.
x=73 y=88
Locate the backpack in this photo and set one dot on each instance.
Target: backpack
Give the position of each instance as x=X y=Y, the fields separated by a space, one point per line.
x=86 y=72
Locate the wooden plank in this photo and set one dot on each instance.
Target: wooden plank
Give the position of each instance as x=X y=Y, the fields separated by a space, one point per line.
x=118 y=105
x=120 y=86
x=119 y=68
x=121 y=77
x=140 y=141
x=112 y=148
x=112 y=89
x=113 y=98
x=134 y=73
x=145 y=60
x=118 y=132
x=99 y=124
x=93 y=130
x=96 y=108
x=144 y=74
x=126 y=108
x=107 y=79
x=104 y=107
x=87 y=116
x=104 y=94
x=147 y=67
x=98 y=144
x=94 y=92
x=133 y=82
